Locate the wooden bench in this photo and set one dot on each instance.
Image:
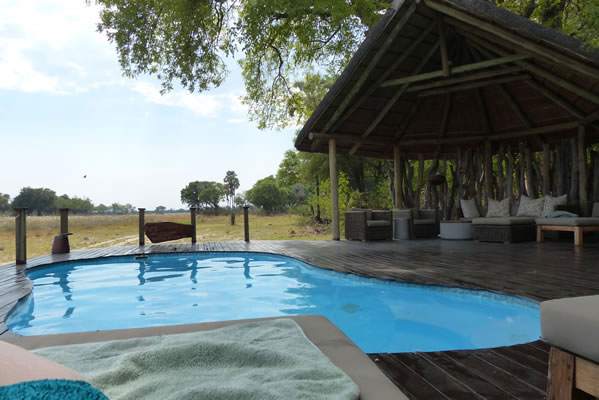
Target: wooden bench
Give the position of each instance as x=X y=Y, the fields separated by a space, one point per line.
x=576 y=225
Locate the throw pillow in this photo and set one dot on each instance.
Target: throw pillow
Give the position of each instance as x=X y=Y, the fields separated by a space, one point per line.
x=469 y=208
x=530 y=207
x=551 y=202
x=499 y=208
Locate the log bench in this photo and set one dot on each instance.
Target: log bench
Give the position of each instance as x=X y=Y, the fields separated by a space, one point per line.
x=571 y=327
x=576 y=225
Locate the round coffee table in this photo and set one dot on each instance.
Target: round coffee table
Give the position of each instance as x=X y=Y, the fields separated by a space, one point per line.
x=456 y=230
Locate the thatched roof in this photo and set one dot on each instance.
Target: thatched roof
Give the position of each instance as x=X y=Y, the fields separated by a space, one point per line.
x=504 y=79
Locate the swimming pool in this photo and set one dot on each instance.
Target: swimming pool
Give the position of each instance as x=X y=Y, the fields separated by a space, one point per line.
x=378 y=315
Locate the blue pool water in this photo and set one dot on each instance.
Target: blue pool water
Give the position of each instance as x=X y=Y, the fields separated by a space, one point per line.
x=378 y=315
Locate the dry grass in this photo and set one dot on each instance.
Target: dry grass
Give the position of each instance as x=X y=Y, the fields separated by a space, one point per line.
x=119 y=230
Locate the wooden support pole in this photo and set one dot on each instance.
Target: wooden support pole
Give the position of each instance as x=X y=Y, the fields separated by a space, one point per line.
x=142 y=229
x=397 y=175
x=64 y=220
x=582 y=171
x=574 y=164
x=443 y=47
x=334 y=188
x=193 y=224
x=246 y=223
x=21 y=235
x=546 y=169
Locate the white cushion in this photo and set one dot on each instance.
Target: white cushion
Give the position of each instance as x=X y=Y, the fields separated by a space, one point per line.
x=551 y=202
x=530 y=207
x=572 y=324
x=499 y=208
x=469 y=208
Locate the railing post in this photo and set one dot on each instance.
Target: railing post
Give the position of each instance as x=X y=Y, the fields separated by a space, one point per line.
x=193 y=224
x=64 y=220
x=142 y=229
x=21 y=235
x=246 y=223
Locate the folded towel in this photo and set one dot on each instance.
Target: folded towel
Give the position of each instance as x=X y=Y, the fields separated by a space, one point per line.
x=260 y=360
x=51 y=389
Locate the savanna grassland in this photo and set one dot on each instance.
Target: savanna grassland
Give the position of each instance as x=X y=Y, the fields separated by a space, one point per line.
x=95 y=231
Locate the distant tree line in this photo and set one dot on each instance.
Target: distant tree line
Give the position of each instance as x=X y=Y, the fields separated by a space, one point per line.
x=44 y=201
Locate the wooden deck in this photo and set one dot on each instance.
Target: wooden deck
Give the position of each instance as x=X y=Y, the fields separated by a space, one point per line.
x=537 y=271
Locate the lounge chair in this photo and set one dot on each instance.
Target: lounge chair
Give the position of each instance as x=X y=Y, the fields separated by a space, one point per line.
x=424 y=223
x=362 y=224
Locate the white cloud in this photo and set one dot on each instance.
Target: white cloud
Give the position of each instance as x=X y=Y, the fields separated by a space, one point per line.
x=204 y=105
x=44 y=43
x=236 y=121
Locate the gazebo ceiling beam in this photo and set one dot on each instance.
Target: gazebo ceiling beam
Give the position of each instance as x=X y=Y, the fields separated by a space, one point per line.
x=406 y=121
x=443 y=47
x=474 y=85
x=456 y=70
x=504 y=91
x=387 y=107
x=542 y=51
x=384 y=141
x=342 y=113
x=446 y=114
x=404 y=56
x=556 y=98
x=372 y=64
x=557 y=80
x=464 y=79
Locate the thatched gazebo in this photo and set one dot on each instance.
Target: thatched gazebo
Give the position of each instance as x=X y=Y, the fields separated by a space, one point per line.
x=470 y=86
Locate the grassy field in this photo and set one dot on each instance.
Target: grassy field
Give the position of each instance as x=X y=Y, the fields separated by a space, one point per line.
x=97 y=231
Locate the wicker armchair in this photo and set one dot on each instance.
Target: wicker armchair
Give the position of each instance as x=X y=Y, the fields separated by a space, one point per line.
x=368 y=225
x=423 y=223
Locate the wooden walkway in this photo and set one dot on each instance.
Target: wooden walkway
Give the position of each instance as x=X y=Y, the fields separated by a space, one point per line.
x=537 y=271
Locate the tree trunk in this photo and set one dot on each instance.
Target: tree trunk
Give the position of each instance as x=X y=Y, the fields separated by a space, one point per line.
x=509 y=174
x=500 y=174
x=595 y=157
x=318 y=219
x=420 y=180
x=530 y=179
x=573 y=194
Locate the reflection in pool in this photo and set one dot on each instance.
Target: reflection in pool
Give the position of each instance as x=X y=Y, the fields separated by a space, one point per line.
x=378 y=315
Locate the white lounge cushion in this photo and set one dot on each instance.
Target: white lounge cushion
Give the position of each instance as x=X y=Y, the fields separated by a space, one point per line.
x=552 y=202
x=530 y=207
x=469 y=208
x=572 y=324
x=578 y=221
x=503 y=221
x=499 y=208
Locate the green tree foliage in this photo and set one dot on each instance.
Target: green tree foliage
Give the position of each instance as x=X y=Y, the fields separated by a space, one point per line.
x=267 y=193
x=203 y=195
x=281 y=40
x=75 y=204
x=40 y=200
x=289 y=169
x=160 y=210
x=231 y=185
x=4 y=203
x=102 y=209
x=578 y=18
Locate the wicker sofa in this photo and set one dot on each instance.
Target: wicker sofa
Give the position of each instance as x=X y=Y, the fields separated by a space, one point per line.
x=363 y=224
x=423 y=223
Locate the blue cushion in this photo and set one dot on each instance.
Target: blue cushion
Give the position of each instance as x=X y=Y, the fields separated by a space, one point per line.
x=562 y=214
x=52 y=389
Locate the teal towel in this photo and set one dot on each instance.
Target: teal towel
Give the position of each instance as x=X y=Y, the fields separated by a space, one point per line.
x=562 y=214
x=51 y=389
x=260 y=360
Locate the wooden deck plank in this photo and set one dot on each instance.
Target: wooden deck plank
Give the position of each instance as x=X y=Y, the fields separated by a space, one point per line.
x=537 y=271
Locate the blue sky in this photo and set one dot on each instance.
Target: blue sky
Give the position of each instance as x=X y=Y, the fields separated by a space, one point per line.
x=66 y=111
